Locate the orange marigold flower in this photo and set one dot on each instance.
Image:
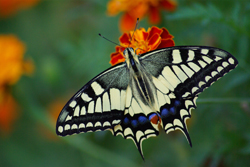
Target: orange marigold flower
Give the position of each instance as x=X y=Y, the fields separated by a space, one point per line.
x=12 y=63
x=8 y=111
x=12 y=67
x=143 y=41
x=138 y=9
x=9 y=7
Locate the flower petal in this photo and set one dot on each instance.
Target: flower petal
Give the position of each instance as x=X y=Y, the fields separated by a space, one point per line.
x=169 y=5
x=125 y=39
x=12 y=63
x=154 y=41
x=166 y=43
x=10 y=7
x=139 y=10
x=140 y=34
x=113 y=7
x=154 y=30
x=154 y=15
x=8 y=112
x=117 y=48
x=165 y=34
x=116 y=58
x=127 y=23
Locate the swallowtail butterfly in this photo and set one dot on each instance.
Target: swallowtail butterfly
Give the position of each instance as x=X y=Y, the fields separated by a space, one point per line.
x=155 y=90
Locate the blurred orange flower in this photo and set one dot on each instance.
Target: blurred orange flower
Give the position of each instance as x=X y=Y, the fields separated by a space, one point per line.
x=8 y=111
x=153 y=38
x=9 y=7
x=138 y=9
x=12 y=64
x=12 y=67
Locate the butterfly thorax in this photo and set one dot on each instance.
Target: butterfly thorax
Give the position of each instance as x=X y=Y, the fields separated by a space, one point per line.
x=132 y=60
x=140 y=81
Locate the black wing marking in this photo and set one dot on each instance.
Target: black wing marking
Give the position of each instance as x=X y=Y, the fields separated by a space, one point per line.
x=181 y=73
x=136 y=123
x=98 y=105
x=137 y=128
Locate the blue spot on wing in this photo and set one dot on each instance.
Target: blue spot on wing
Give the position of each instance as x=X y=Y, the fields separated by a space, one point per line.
x=164 y=112
x=134 y=123
x=126 y=120
x=176 y=103
x=143 y=119
x=152 y=115
x=172 y=110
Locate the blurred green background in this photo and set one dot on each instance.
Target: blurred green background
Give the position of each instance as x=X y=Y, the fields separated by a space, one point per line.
x=61 y=37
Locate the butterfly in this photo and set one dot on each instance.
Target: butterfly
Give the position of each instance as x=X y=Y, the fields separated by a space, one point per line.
x=138 y=97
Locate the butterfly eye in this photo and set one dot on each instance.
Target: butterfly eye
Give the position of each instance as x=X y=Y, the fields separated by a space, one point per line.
x=125 y=53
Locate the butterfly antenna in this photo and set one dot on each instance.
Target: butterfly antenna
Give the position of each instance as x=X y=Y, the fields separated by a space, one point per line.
x=110 y=40
x=137 y=21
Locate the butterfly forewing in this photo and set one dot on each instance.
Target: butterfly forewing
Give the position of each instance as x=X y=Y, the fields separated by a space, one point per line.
x=99 y=105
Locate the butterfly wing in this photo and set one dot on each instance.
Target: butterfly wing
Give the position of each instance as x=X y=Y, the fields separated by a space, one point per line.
x=136 y=123
x=98 y=105
x=173 y=78
x=179 y=75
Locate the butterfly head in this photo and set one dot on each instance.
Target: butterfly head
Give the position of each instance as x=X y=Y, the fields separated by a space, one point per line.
x=131 y=57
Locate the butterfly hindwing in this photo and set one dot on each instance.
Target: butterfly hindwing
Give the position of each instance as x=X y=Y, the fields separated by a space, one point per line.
x=99 y=105
x=136 y=123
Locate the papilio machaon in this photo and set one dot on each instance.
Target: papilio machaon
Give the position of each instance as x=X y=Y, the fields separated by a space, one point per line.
x=137 y=97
